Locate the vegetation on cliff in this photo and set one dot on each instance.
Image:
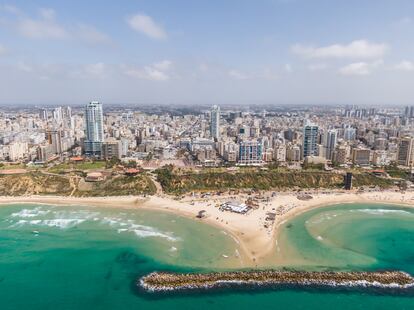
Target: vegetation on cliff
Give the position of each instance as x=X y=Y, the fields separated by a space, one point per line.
x=176 y=182
x=117 y=186
x=39 y=183
x=34 y=183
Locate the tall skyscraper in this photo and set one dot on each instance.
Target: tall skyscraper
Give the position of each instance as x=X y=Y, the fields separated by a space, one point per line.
x=94 y=134
x=405 y=151
x=43 y=114
x=330 y=143
x=57 y=114
x=54 y=138
x=409 y=111
x=215 y=122
x=310 y=140
x=349 y=134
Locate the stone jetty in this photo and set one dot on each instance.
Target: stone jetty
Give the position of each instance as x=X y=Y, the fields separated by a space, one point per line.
x=163 y=281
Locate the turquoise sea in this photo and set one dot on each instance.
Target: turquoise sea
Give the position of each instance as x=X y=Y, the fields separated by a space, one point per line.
x=54 y=257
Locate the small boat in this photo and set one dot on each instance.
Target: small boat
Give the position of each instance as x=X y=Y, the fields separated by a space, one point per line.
x=225 y=256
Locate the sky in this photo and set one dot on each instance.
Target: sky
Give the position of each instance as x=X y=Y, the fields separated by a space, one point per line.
x=207 y=52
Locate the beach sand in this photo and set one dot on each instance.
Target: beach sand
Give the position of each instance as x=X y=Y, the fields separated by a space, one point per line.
x=255 y=235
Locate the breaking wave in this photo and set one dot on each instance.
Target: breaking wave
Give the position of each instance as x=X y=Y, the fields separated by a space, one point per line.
x=129 y=226
x=64 y=219
x=382 y=211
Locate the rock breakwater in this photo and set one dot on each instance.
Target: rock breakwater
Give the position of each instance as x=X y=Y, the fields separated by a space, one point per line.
x=163 y=281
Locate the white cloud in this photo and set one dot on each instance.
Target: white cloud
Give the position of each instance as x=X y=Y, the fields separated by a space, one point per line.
x=22 y=66
x=47 y=13
x=261 y=74
x=11 y=9
x=288 y=68
x=47 y=26
x=203 y=67
x=404 y=22
x=268 y=74
x=359 y=68
x=155 y=75
x=44 y=28
x=357 y=49
x=97 y=70
x=147 y=26
x=163 y=65
x=91 y=35
x=237 y=75
x=156 y=72
x=3 y=50
x=317 y=67
x=404 y=65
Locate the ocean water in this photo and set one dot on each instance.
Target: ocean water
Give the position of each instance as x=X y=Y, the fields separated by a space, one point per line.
x=54 y=257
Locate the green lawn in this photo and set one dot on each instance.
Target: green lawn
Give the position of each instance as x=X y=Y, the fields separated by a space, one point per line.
x=6 y=166
x=79 y=166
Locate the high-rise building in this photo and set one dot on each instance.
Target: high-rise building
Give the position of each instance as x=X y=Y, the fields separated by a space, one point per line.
x=340 y=155
x=54 y=137
x=361 y=156
x=310 y=140
x=215 y=122
x=293 y=153
x=330 y=143
x=349 y=134
x=111 y=148
x=409 y=111
x=43 y=114
x=405 y=151
x=250 y=152
x=57 y=114
x=94 y=133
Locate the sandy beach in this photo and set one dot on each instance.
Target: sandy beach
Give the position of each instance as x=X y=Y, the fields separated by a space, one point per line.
x=254 y=232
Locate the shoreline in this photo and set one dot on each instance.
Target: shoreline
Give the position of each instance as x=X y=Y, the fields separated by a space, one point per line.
x=256 y=241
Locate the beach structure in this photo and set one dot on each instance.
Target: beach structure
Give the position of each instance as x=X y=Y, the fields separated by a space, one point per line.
x=94 y=177
x=235 y=207
x=348 y=181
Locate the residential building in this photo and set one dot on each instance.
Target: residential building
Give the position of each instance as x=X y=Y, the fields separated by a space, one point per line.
x=94 y=132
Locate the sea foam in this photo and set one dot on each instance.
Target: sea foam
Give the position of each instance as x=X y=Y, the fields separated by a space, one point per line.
x=382 y=211
x=27 y=213
x=142 y=231
x=65 y=219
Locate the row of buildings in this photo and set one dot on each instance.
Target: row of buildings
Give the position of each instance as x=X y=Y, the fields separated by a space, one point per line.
x=210 y=137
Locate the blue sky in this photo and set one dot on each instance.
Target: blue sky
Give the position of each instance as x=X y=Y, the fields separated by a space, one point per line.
x=176 y=51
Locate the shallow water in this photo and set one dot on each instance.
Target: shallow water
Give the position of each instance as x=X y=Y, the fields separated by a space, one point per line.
x=352 y=237
x=88 y=258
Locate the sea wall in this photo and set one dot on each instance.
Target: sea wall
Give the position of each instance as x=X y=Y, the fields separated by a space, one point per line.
x=162 y=281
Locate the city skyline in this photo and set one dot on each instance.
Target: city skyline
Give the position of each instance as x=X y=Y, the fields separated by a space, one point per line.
x=178 y=154
x=237 y=52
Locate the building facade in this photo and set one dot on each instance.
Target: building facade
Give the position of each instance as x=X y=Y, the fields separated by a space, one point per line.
x=250 y=152
x=310 y=140
x=215 y=122
x=94 y=133
x=405 y=150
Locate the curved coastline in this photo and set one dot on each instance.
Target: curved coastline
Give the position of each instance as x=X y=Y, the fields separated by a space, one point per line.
x=256 y=242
